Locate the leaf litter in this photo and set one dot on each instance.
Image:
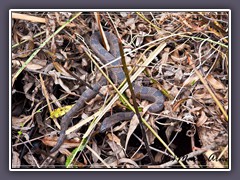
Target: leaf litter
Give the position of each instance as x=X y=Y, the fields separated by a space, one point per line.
x=189 y=107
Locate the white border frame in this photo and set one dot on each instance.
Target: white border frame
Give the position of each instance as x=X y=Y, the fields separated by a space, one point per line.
x=116 y=10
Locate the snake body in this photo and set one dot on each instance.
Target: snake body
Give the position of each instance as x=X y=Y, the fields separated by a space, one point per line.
x=117 y=75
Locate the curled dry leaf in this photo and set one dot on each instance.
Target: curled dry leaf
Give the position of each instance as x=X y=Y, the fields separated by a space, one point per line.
x=165 y=56
x=27 y=86
x=140 y=38
x=202 y=119
x=158 y=157
x=179 y=75
x=202 y=95
x=178 y=103
x=196 y=109
x=60 y=69
x=122 y=126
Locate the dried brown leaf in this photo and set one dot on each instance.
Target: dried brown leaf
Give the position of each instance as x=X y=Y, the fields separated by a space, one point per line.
x=178 y=75
x=133 y=125
x=116 y=148
x=97 y=150
x=51 y=141
x=31 y=160
x=60 y=69
x=131 y=23
x=57 y=80
x=138 y=156
x=129 y=161
x=140 y=38
x=113 y=137
x=20 y=121
x=16 y=163
x=158 y=157
x=215 y=83
x=202 y=119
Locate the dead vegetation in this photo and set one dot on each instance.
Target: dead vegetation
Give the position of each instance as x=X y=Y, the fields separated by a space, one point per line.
x=191 y=69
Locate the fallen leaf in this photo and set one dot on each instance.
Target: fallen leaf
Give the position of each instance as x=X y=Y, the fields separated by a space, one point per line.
x=202 y=119
x=215 y=83
x=113 y=137
x=57 y=80
x=30 y=160
x=20 y=121
x=126 y=160
x=133 y=125
x=140 y=38
x=15 y=160
x=138 y=156
x=52 y=141
x=97 y=150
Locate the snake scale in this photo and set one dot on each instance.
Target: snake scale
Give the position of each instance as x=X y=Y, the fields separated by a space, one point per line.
x=117 y=75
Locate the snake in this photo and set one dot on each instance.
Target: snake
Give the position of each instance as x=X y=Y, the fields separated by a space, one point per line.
x=117 y=76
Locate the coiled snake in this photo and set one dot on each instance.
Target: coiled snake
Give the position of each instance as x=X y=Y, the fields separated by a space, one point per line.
x=117 y=75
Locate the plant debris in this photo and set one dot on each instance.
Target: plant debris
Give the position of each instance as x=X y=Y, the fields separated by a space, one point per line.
x=192 y=72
